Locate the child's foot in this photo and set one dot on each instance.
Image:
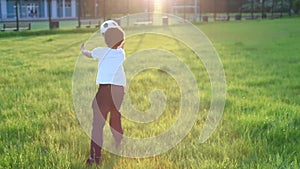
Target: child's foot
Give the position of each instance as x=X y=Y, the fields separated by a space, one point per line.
x=91 y=160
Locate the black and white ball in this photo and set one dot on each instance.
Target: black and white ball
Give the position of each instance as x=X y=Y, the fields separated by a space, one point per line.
x=107 y=24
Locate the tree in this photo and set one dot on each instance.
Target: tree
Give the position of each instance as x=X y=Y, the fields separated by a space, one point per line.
x=184 y=10
x=252 y=8
x=17 y=14
x=200 y=10
x=290 y=7
x=263 y=14
x=297 y=6
x=215 y=9
x=281 y=9
x=228 y=2
x=272 y=7
x=49 y=13
x=79 y=12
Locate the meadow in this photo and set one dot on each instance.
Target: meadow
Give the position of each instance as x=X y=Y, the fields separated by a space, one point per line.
x=260 y=124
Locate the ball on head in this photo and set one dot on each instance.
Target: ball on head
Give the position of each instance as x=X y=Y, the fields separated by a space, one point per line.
x=107 y=24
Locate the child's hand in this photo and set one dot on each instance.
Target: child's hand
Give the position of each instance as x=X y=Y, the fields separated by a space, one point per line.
x=82 y=47
x=85 y=52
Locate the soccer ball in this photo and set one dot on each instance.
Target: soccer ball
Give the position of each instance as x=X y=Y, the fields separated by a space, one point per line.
x=105 y=25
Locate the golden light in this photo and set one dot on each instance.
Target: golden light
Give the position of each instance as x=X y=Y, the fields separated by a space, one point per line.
x=158 y=6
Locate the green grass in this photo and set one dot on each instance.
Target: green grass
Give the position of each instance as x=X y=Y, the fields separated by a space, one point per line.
x=259 y=128
x=44 y=25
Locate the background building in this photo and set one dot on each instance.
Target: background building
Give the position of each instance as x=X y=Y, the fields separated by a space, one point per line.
x=69 y=9
x=38 y=9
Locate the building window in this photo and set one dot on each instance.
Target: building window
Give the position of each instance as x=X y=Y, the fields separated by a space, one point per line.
x=30 y=9
x=0 y=11
x=11 y=9
x=68 y=8
x=59 y=8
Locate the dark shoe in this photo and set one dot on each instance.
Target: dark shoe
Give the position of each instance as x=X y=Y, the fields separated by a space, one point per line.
x=90 y=161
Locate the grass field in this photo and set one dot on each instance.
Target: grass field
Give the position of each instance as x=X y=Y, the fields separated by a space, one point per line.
x=259 y=128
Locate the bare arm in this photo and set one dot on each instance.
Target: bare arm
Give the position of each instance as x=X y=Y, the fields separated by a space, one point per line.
x=122 y=44
x=87 y=53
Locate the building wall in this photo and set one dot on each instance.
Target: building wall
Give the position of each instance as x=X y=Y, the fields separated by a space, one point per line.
x=3 y=9
x=37 y=9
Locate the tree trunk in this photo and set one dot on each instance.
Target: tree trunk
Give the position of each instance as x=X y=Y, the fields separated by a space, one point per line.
x=272 y=8
x=281 y=10
x=49 y=13
x=252 y=8
x=215 y=9
x=290 y=7
x=79 y=12
x=17 y=14
x=184 y=12
x=227 y=9
x=263 y=14
x=200 y=11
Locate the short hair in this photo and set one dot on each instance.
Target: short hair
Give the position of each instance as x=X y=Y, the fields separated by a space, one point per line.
x=114 y=36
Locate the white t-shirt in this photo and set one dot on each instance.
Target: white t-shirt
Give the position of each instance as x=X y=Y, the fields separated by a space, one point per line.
x=110 y=66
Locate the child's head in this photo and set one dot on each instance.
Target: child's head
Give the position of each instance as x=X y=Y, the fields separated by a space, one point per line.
x=114 y=36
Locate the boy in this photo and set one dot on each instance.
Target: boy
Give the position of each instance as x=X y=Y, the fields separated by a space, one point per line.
x=111 y=80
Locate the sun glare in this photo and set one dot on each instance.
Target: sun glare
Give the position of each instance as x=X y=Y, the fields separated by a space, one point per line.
x=158 y=6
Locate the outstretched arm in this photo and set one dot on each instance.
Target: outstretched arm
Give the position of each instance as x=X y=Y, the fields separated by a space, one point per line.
x=87 y=53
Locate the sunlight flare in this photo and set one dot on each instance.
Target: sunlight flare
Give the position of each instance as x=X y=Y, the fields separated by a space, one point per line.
x=158 y=6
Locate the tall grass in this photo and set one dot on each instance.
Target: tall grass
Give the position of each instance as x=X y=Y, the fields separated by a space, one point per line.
x=260 y=125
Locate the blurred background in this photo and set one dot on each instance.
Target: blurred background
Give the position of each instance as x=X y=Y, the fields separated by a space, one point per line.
x=54 y=13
